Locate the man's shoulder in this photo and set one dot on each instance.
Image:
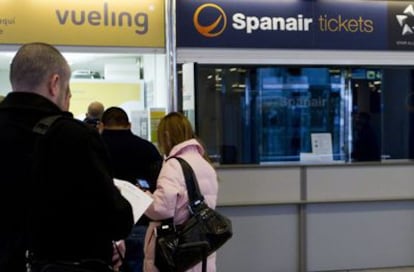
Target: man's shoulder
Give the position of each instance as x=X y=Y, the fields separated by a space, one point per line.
x=141 y=139
x=70 y=122
x=70 y=126
x=146 y=143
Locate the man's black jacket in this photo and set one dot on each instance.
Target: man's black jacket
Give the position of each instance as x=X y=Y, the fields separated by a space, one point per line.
x=67 y=188
x=133 y=157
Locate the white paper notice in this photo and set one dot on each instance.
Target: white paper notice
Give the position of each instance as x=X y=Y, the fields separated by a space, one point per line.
x=136 y=197
x=322 y=146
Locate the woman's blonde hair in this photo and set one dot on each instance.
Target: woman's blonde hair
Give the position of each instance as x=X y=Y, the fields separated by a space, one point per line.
x=173 y=129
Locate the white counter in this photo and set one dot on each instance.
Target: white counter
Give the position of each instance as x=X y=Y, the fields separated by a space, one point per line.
x=318 y=217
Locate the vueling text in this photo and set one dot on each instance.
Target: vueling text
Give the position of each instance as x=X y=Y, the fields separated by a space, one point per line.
x=104 y=17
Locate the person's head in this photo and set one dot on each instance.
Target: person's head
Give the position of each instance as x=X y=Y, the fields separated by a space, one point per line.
x=40 y=68
x=115 y=118
x=94 y=115
x=95 y=110
x=173 y=129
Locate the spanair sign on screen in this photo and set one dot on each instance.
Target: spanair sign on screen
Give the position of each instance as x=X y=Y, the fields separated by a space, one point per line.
x=137 y=23
x=353 y=24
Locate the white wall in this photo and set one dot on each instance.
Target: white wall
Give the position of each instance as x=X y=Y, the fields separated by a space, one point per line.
x=5 y=86
x=155 y=78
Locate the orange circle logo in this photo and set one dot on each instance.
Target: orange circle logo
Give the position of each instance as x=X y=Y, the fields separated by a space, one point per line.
x=213 y=29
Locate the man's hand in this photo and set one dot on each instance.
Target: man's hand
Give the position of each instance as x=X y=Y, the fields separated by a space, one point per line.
x=118 y=254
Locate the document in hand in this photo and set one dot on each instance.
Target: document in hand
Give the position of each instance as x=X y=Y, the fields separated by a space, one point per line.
x=136 y=197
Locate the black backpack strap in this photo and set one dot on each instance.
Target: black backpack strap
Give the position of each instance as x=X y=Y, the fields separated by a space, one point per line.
x=41 y=127
x=44 y=124
x=193 y=189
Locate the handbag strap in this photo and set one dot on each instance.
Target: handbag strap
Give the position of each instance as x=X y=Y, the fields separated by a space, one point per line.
x=193 y=189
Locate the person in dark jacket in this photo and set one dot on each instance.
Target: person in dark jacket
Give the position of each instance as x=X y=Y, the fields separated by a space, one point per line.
x=94 y=115
x=132 y=158
x=365 y=144
x=57 y=196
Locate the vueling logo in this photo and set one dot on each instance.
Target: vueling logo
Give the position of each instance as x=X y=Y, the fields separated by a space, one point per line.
x=215 y=28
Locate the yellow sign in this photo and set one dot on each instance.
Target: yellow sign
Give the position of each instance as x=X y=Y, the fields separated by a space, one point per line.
x=136 y=23
x=109 y=94
x=156 y=114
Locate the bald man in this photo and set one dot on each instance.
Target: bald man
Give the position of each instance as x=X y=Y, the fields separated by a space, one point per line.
x=57 y=196
x=94 y=114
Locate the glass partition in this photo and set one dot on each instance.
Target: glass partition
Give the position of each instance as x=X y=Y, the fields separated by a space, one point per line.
x=136 y=82
x=266 y=114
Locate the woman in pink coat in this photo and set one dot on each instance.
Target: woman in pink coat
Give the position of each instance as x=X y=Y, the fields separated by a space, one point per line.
x=176 y=138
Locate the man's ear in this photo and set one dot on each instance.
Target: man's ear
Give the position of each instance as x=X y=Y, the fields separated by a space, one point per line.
x=53 y=85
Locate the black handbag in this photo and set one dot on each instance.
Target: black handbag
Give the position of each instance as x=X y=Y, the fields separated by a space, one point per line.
x=181 y=247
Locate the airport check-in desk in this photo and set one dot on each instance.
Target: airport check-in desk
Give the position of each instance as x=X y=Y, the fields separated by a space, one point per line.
x=317 y=217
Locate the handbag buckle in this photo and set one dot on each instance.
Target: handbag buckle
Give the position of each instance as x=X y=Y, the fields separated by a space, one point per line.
x=165 y=228
x=193 y=206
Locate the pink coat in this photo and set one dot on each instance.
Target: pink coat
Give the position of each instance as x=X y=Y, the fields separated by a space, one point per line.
x=171 y=199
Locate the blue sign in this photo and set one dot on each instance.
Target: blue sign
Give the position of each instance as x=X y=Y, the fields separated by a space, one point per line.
x=306 y=24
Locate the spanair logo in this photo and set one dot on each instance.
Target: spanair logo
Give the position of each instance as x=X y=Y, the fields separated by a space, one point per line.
x=403 y=20
x=214 y=28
